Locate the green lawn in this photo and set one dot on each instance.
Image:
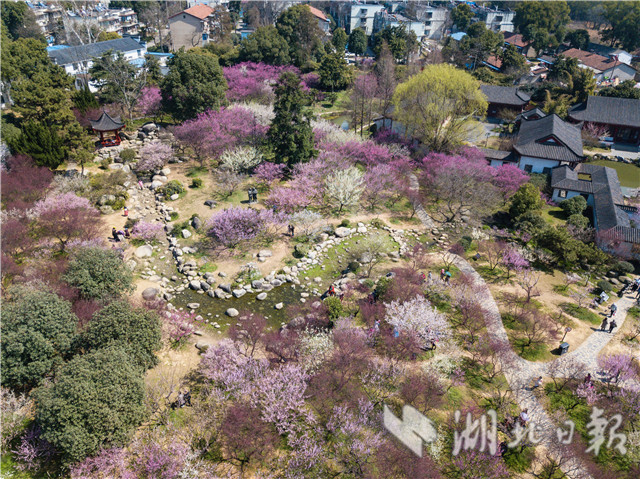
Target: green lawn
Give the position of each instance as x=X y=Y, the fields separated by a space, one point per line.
x=553 y=215
x=629 y=175
x=581 y=313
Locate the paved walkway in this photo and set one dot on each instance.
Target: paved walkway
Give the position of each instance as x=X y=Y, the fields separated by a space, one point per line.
x=521 y=373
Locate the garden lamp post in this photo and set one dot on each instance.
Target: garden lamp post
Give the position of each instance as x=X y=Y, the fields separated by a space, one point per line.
x=566 y=330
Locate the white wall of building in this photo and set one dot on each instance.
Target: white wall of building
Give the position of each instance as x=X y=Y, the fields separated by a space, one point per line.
x=362 y=17
x=537 y=164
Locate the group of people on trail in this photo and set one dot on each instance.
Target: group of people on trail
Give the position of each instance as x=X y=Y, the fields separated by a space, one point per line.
x=612 y=324
x=291 y=229
x=253 y=195
x=184 y=399
x=445 y=275
x=119 y=235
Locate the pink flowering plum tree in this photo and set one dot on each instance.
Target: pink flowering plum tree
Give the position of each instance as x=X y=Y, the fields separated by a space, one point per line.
x=513 y=260
x=213 y=132
x=107 y=463
x=458 y=183
x=230 y=227
x=153 y=157
x=250 y=81
x=150 y=101
x=267 y=173
x=65 y=217
x=148 y=231
x=180 y=325
x=618 y=368
x=508 y=178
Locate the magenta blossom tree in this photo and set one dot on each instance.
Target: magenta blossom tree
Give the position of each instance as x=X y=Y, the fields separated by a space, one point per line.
x=230 y=227
x=508 y=178
x=618 y=368
x=180 y=325
x=268 y=172
x=213 y=132
x=512 y=260
x=150 y=102
x=249 y=81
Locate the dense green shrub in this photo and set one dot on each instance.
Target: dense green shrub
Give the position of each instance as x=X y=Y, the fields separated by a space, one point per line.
x=573 y=206
x=578 y=220
x=604 y=285
x=128 y=155
x=623 y=267
x=173 y=187
x=104 y=163
x=353 y=266
x=196 y=183
x=96 y=401
x=336 y=310
x=526 y=199
x=99 y=274
x=531 y=222
x=345 y=223
x=466 y=242
x=137 y=331
x=38 y=334
x=300 y=250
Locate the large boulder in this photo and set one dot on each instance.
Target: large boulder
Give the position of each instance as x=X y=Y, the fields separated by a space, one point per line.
x=265 y=253
x=144 y=251
x=149 y=127
x=238 y=293
x=186 y=234
x=196 y=222
x=150 y=294
x=195 y=285
x=341 y=232
x=232 y=312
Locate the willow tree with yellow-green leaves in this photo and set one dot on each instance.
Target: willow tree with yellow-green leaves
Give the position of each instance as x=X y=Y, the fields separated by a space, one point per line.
x=438 y=105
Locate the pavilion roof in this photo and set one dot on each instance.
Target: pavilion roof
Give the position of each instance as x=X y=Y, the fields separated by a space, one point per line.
x=107 y=123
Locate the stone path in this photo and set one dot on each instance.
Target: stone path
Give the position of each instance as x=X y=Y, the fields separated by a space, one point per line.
x=521 y=373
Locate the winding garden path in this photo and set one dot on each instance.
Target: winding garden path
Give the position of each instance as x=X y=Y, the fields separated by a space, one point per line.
x=521 y=373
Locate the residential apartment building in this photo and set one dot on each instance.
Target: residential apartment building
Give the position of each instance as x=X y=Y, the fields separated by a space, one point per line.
x=77 y=61
x=362 y=16
x=383 y=20
x=191 y=27
x=434 y=19
x=604 y=68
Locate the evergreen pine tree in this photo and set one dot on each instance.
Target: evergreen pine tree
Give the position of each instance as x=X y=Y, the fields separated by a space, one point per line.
x=290 y=134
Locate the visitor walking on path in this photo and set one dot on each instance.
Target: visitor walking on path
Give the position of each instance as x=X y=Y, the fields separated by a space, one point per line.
x=114 y=233
x=291 y=230
x=140 y=184
x=612 y=325
x=603 y=326
x=613 y=308
x=250 y=195
x=537 y=383
x=126 y=212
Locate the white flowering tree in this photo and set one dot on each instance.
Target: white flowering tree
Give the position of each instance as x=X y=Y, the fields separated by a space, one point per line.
x=306 y=220
x=344 y=187
x=418 y=317
x=241 y=159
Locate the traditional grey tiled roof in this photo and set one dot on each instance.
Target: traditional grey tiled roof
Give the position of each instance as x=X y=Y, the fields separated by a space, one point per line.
x=526 y=115
x=106 y=123
x=505 y=95
x=500 y=155
x=533 y=133
x=608 y=110
x=82 y=53
x=605 y=187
